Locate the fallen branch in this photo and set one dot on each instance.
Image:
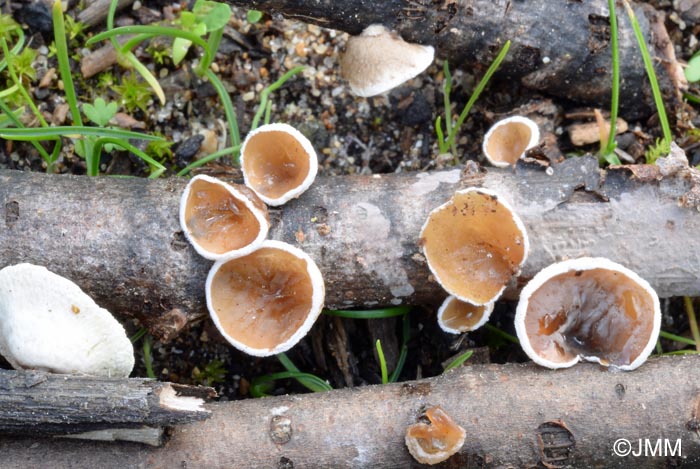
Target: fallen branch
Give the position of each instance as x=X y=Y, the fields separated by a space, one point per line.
x=561 y=48
x=514 y=416
x=137 y=410
x=120 y=239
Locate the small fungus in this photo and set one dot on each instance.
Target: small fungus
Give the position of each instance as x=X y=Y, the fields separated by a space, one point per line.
x=222 y=220
x=474 y=244
x=378 y=60
x=434 y=442
x=508 y=140
x=265 y=302
x=48 y=323
x=278 y=163
x=591 y=309
x=456 y=316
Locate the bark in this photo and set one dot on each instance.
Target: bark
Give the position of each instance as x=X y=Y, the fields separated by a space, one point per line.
x=561 y=48
x=38 y=403
x=120 y=239
x=514 y=416
x=97 y=11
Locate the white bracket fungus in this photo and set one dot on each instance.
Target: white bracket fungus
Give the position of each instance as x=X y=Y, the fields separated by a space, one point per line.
x=48 y=323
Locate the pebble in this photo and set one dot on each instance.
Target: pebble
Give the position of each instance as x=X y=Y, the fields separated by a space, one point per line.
x=187 y=149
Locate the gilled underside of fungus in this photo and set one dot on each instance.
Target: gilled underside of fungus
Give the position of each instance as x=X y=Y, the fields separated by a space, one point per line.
x=588 y=308
x=278 y=163
x=220 y=219
x=456 y=316
x=507 y=140
x=474 y=244
x=434 y=442
x=266 y=301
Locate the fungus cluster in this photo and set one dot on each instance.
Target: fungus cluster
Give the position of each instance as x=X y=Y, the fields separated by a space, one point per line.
x=262 y=295
x=582 y=309
x=474 y=244
x=48 y=323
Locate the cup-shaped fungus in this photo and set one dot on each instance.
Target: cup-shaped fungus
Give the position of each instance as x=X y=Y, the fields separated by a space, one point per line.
x=378 y=60
x=591 y=309
x=456 y=316
x=434 y=442
x=48 y=323
x=278 y=163
x=508 y=140
x=265 y=302
x=474 y=244
x=222 y=220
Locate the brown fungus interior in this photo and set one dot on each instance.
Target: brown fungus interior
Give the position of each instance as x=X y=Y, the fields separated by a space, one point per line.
x=473 y=245
x=217 y=220
x=263 y=298
x=595 y=312
x=462 y=316
x=508 y=142
x=275 y=162
x=442 y=435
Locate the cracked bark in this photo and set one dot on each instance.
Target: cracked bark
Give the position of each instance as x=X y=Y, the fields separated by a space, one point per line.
x=514 y=415
x=138 y=410
x=560 y=48
x=120 y=240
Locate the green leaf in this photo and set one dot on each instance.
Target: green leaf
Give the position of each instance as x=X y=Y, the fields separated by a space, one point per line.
x=100 y=112
x=254 y=16
x=181 y=46
x=214 y=15
x=692 y=71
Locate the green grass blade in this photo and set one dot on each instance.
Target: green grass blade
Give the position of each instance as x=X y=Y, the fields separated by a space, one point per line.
x=382 y=362
x=264 y=94
x=309 y=381
x=406 y=335
x=78 y=132
x=261 y=385
x=649 y=67
x=212 y=45
x=147 y=358
x=147 y=31
x=214 y=156
x=99 y=143
x=502 y=334
x=59 y=34
x=676 y=338
x=370 y=313
x=457 y=362
x=477 y=92
x=615 y=89
x=231 y=118
x=441 y=137
x=140 y=333
x=446 y=91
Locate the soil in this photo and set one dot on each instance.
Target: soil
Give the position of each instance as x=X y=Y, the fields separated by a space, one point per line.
x=389 y=133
